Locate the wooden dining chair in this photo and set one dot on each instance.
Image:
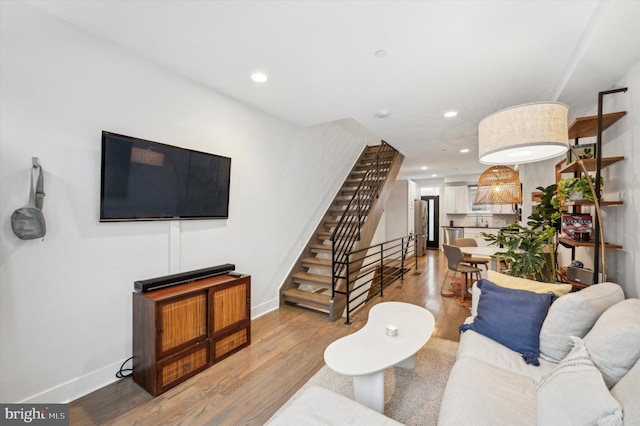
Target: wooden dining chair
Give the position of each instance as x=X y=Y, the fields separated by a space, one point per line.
x=472 y=260
x=455 y=264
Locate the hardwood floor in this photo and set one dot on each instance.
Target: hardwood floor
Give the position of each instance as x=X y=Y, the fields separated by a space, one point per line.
x=286 y=350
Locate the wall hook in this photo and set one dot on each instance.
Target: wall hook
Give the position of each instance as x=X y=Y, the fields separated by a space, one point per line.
x=35 y=162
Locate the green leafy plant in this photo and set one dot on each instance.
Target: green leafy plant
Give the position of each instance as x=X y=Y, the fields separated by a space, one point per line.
x=576 y=188
x=524 y=252
x=547 y=212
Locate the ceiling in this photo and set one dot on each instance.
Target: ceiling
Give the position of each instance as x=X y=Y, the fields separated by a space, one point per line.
x=474 y=57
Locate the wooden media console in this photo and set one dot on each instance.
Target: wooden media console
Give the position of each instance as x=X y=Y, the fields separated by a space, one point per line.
x=180 y=331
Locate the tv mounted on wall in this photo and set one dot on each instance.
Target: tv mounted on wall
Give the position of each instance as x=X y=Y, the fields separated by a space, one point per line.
x=144 y=180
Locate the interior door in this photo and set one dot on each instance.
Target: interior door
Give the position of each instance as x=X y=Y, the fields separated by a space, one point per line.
x=433 y=222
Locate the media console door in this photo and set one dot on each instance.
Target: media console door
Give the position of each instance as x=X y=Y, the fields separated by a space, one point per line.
x=230 y=318
x=180 y=331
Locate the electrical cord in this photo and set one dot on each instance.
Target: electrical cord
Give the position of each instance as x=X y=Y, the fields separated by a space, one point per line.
x=124 y=372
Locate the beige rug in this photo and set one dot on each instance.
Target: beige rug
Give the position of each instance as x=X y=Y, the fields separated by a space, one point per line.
x=411 y=397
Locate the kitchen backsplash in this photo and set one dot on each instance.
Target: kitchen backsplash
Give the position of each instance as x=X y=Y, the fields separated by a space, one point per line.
x=473 y=220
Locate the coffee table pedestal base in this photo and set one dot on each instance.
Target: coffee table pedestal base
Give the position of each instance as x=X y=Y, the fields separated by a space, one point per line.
x=368 y=389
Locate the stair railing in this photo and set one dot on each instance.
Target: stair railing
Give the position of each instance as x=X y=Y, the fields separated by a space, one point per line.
x=348 y=228
x=379 y=265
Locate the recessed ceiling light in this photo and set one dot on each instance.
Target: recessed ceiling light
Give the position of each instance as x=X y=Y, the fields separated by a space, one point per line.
x=464 y=150
x=381 y=53
x=450 y=114
x=383 y=113
x=434 y=175
x=423 y=168
x=259 y=77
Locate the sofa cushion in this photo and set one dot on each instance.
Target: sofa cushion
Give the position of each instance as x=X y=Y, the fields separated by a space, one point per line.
x=530 y=285
x=574 y=315
x=482 y=348
x=519 y=284
x=481 y=394
x=626 y=391
x=614 y=340
x=315 y=405
x=511 y=317
x=576 y=375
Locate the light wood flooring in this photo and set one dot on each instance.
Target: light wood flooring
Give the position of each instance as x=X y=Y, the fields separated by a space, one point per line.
x=286 y=350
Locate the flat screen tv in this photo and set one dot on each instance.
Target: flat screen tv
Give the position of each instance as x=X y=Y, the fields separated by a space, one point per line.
x=144 y=180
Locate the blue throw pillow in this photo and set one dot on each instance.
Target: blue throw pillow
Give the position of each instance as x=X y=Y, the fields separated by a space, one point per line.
x=511 y=317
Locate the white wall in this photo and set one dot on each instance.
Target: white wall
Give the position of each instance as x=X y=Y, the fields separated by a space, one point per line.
x=621 y=223
x=65 y=302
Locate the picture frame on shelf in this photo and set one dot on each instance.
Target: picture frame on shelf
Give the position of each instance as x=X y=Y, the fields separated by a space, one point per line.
x=576 y=226
x=585 y=152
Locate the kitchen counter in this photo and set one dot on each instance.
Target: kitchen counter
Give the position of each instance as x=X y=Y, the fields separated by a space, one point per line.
x=475 y=227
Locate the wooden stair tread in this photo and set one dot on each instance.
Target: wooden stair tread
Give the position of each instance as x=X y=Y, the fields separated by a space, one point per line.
x=316 y=261
x=316 y=279
x=320 y=247
x=361 y=168
x=295 y=294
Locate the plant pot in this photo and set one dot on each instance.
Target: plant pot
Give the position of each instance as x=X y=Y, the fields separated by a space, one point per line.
x=577 y=196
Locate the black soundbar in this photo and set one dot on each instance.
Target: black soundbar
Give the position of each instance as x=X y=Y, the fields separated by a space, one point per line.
x=144 y=286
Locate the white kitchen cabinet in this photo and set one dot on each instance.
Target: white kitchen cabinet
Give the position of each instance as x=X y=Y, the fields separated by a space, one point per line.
x=456 y=200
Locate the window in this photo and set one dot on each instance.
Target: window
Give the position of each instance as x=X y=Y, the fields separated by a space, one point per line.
x=477 y=208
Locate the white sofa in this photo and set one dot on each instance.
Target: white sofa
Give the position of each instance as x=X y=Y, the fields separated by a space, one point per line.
x=591 y=379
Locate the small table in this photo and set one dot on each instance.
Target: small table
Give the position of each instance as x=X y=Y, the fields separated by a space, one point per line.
x=484 y=252
x=366 y=353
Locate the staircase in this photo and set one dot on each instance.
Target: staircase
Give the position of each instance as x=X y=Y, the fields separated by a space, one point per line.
x=349 y=224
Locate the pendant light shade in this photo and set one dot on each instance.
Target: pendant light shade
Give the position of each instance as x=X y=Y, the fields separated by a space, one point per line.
x=524 y=134
x=499 y=185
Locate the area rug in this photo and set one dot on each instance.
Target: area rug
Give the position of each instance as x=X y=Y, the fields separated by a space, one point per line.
x=411 y=397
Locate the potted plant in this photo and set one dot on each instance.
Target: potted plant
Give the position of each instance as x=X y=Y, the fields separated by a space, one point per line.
x=524 y=252
x=576 y=188
x=548 y=213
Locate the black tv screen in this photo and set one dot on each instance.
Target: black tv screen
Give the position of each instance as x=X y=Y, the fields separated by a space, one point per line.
x=144 y=180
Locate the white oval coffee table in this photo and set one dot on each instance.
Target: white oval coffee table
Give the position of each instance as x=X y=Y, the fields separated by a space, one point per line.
x=366 y=353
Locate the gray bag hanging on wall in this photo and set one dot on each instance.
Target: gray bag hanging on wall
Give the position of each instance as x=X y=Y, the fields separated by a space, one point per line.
x=28 y=222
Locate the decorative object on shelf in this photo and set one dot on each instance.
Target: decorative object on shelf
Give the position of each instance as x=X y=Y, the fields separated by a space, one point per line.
x=582 y=152
x=574 y=224
x=577 y=188
x=524 y=134
x=499 y=185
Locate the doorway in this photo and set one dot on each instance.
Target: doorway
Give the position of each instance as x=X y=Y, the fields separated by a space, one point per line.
x=433 y=221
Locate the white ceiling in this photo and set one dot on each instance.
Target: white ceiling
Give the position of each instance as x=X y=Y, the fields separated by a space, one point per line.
x=475 y=57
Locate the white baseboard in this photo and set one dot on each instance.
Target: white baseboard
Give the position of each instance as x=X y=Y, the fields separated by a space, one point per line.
x=78 y=387
x=84 y=385
x=265 y=307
